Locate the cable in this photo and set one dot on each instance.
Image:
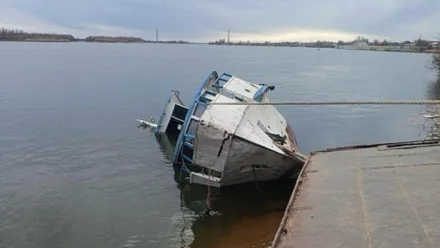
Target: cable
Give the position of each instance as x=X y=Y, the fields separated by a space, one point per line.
x=356 y=102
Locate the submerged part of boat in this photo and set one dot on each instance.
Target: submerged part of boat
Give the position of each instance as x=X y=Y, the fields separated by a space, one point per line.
x=231 y=144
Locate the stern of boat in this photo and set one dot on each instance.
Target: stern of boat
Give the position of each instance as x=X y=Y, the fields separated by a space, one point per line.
x=173 y=116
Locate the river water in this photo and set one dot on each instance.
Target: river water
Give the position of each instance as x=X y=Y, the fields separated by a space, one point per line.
x=75 y=171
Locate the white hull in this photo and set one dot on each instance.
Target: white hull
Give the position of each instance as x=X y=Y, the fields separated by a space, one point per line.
x=246 y=162
x=232 y=144
x=252 y=163
x=244 y=143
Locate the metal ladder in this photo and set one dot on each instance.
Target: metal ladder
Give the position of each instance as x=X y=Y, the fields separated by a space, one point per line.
x=189 y=136
x=224 y=78
x=190 y=132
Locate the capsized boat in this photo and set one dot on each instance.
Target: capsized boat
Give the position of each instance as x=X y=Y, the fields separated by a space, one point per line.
x=230 y=144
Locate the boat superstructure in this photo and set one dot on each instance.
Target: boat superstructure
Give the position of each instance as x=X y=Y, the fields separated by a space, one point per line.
x=231 y=144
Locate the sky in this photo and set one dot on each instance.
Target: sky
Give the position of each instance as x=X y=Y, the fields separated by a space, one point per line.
x=208 y=20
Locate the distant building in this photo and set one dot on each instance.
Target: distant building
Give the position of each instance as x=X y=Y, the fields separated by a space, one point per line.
x=435 y=44
x=359 y=44
x=218 y=42
x=407 y=43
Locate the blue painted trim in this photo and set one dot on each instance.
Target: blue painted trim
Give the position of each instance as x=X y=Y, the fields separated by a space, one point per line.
x=258 y=96
x=189 y=145
x=186 y=158
x=190 y=112
x=216 y=84
x=211 y=93
x=204 y=103
x=191 y=136
x=196 y=100
x=184 y=168
x=204 y=100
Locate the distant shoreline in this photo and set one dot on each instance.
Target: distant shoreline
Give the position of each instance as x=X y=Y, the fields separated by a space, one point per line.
x=393 y=51
x=107 y=40
x=11 y=35
x=432 y=51
x=20 y=36
x=203 y=43
x=98 y=41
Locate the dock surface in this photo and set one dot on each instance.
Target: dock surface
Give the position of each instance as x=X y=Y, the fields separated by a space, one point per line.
x=384 y=195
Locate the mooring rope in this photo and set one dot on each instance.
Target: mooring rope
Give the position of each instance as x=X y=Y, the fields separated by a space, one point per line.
x=360 y=102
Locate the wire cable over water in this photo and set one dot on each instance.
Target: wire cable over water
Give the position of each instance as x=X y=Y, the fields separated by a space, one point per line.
x=359 y=102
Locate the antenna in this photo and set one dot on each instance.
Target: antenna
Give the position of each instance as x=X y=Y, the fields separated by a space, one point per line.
x=229 y=34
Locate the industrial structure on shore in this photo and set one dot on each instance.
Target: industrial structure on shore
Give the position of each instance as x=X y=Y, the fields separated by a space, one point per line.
x=360 y=43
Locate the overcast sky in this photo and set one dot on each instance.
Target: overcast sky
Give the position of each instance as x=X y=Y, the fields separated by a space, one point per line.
x=205 y=20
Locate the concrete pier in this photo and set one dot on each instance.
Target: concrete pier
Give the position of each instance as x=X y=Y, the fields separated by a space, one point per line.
x=385 y=195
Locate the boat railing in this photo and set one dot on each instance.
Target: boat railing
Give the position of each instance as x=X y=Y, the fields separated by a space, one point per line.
x=221 y=81
x=185 y=143
x=185 y=146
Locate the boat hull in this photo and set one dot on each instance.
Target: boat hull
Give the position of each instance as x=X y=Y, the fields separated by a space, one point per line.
x=249 y=162
x=234 y=144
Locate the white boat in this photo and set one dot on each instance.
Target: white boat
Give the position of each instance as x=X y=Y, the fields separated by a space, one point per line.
x=222 y=145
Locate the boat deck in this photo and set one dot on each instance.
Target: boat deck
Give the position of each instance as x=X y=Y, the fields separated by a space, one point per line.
x=371 y=196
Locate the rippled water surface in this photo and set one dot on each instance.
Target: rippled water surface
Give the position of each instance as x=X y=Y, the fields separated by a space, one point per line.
x=75 y=171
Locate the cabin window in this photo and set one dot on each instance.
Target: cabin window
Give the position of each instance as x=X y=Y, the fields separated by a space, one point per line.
x=192 y=128
x=179 y=112
x=199 y=110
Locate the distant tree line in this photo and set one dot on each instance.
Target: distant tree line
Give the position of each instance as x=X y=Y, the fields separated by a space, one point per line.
x=170 y=41
x=317 y=44
x=119 y=39
x=20 y=35
x=418 y=45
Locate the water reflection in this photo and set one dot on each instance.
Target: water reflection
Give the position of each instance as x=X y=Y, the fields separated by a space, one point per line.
x=432 y=121
x=249 y=214
x=166 y=145
x=433 y=92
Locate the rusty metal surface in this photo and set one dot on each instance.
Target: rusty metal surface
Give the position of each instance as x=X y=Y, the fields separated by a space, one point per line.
x=368 y=196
